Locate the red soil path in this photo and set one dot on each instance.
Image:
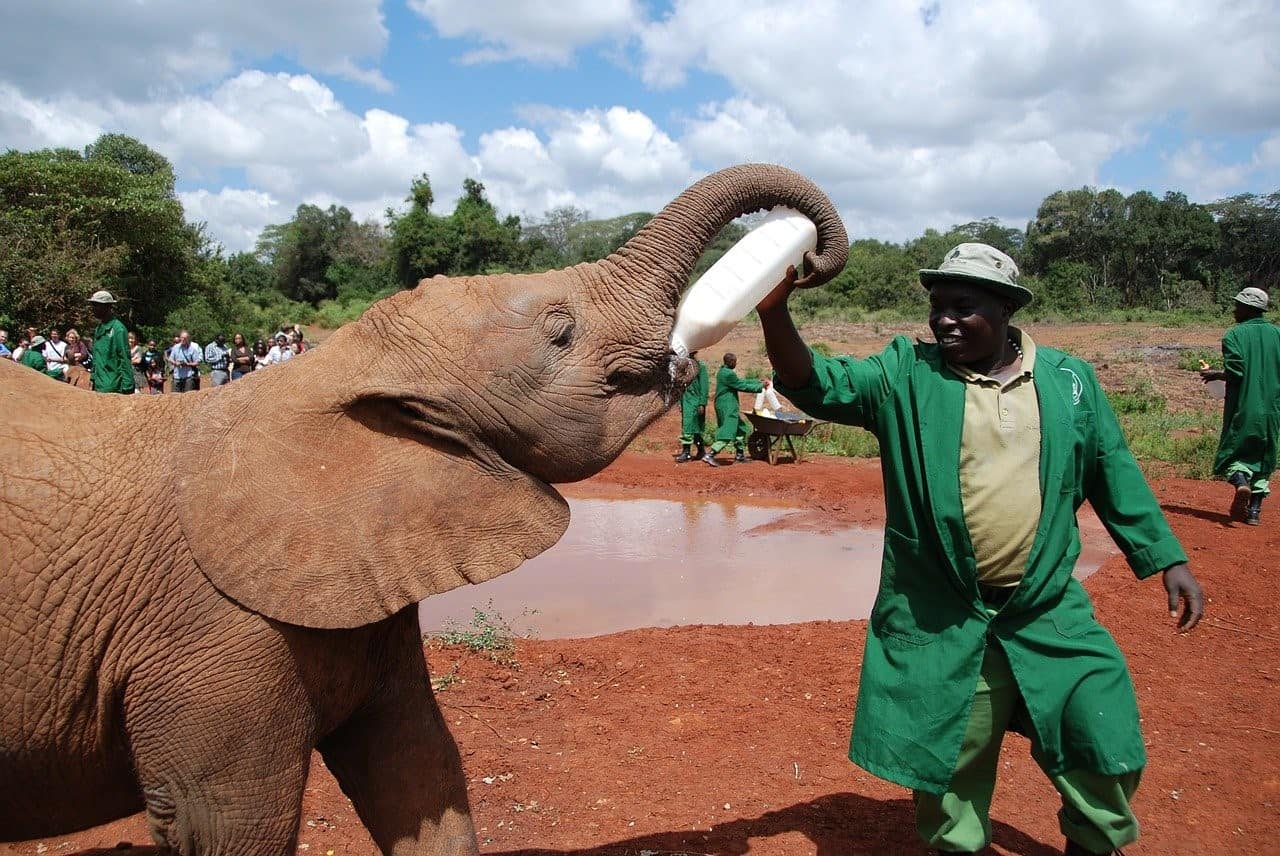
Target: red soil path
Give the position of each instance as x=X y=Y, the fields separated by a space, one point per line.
x=732 y=740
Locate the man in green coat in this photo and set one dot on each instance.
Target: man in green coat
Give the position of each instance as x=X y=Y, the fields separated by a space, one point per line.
x=693 y=414
x=32 y=356
x=112 y=368
x=988 y=447
x=729 y=427
x=1251 y=410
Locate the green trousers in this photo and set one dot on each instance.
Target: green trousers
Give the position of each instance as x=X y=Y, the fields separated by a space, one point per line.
x=1095 y=808
x=1257 y=483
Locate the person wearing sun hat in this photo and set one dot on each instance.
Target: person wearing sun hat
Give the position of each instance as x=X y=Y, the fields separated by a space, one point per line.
x=112 y=367
x=32 y=357
x=1251 y=410
x=988 y=446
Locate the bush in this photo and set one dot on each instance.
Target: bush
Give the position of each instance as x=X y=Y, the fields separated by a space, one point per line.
x=1190 y=359
x=845 y=441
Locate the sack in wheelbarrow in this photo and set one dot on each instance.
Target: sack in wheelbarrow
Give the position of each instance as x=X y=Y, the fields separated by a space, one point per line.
x=767 y=397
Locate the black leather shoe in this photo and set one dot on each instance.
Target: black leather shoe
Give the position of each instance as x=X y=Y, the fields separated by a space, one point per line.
x=1253 y=516
x=739 y=458
x=1239 y=502
x=710 y=459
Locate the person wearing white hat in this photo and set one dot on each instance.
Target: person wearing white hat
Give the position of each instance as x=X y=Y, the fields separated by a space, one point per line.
x=112 y=366
x=32 y=356
x=1251 y=411
x=988 y=446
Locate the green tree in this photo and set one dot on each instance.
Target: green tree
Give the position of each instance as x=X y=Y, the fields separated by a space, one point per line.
x=320 y=251
x=131 y=156
x=1249 y=242
x=989 y=231
x=71 y=224
x=471 y=240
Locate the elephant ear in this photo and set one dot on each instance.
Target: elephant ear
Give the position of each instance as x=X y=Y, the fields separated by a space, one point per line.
x=339 y=516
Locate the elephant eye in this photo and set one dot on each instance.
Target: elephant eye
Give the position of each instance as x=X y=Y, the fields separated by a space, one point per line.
x=559 y=328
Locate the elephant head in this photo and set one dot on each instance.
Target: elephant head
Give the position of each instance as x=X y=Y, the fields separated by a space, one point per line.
x=413 y=451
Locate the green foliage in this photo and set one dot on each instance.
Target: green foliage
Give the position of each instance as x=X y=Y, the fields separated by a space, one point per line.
x=845 y=441
x=131 y=156
x=1249 y=242
x=71 y=224
x=1189 y=360
x=471 y=240
x=489 y=634
x=322 y=251
x=1141 y=399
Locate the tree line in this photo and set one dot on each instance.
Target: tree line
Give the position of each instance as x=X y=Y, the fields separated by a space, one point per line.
x=107 y=216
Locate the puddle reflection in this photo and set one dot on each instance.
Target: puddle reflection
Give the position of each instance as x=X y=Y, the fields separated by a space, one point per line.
x=624 y=564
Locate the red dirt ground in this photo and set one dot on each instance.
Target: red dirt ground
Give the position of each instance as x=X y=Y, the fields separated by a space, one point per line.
x=732 y=739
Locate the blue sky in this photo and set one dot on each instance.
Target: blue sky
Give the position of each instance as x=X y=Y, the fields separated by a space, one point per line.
x=908 y=114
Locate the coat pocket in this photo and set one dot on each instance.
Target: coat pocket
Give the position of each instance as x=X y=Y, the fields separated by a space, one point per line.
x=1073 y=621
x=902 y=596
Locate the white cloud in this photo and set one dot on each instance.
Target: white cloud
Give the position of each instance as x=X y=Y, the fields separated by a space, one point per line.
x=907 y=117
x=1204 y=173
x=136 y=50
x=234 y=217
x=983 y=68
x=541 y=32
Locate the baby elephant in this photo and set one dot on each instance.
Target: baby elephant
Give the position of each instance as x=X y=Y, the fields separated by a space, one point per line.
x=177 y=639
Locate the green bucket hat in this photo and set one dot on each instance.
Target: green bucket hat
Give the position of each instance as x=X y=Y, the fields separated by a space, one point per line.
x=983 y=266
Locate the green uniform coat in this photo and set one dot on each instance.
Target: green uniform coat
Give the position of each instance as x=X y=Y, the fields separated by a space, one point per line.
x=112 y=368
x=31 y=358
x=728 y=416
x=1251 y=411
x=693 y=423
x=928 y=629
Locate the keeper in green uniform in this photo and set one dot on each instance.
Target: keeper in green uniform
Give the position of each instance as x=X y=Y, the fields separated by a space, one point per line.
x=1251 y=410
x=729 y=427
x=112 y=368
x=693 y=414
x=32 y=357
x=988 y=446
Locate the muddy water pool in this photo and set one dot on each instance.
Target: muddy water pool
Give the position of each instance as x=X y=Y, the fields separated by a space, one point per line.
x=633 y=563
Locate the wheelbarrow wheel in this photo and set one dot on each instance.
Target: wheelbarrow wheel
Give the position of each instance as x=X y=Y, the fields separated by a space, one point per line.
x=758 y=446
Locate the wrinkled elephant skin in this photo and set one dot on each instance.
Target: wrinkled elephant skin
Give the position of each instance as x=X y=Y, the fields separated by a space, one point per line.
x=200 y=589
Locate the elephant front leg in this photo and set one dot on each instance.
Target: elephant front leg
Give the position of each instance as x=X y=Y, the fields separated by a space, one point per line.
x=399 y=765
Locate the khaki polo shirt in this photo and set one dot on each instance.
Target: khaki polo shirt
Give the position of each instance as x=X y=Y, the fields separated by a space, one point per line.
x=1000 y=468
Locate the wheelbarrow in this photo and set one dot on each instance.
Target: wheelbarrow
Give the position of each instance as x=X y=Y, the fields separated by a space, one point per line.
x=774 y=431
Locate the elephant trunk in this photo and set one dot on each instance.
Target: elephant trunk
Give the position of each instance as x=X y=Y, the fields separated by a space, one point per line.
x=665 y=251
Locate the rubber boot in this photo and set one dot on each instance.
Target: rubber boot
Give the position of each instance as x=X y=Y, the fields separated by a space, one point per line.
x=684 y=454
x=699 y=450
x=1240 y=500
x=739 y=458
x=1253 y=517
x=710 y=458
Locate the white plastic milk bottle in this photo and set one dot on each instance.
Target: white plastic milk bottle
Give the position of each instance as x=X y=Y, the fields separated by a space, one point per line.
x=741 y=278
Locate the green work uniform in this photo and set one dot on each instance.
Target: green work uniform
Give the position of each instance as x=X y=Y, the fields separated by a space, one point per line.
x=929 y=628
x=729 y=418
x=112 y=368
x=693 y=407
x=31 y=358
x=1251 y=411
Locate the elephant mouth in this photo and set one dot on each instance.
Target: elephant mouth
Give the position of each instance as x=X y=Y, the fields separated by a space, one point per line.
x=681 y=371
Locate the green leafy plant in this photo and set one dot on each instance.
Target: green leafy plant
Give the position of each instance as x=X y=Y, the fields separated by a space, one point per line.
x=489 y=634
x=1189 y=360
